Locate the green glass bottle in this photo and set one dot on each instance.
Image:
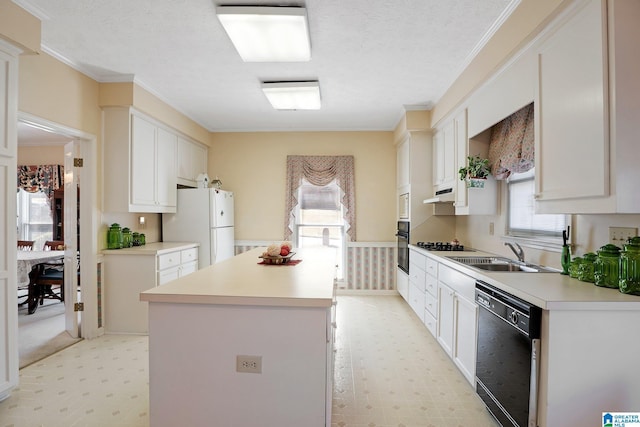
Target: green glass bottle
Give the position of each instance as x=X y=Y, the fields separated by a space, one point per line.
x=565 y=259
x=606 y=268
x=585 y=270
x=630 y=267
x=574 y=266
x=127 y=241
x=114 y=237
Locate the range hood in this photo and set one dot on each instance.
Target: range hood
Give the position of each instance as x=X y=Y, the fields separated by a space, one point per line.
x=445 y=195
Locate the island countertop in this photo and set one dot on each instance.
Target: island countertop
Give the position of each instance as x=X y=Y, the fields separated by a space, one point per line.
x=241 y=280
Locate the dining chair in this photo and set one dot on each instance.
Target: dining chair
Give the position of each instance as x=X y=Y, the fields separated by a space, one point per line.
x=25 y=245
x=45 y=279
x=54 y=245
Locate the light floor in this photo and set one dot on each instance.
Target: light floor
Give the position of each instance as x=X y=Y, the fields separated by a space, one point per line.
x=389 y=372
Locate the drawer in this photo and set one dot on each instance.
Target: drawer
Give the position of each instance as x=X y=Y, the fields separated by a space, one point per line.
x=418 y=278
x=188 y=255
x=169 y=260
x=430 y=322
x=418 y=259
x=188 y=268
x=431 y=304
x=431 y=285
x=459 y=282
x=167 y=275
x=432 y=267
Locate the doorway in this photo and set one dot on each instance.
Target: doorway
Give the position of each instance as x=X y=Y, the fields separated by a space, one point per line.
x=35 y=131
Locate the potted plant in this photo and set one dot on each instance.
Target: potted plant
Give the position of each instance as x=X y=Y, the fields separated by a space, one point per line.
x=476 y=172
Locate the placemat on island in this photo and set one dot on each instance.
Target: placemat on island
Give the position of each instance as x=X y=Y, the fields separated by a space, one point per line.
x=290 y=262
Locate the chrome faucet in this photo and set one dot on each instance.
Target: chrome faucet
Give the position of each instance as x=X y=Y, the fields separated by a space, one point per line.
x=519 y=252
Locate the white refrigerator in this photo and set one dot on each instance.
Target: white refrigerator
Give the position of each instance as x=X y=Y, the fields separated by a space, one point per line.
x=204 y=215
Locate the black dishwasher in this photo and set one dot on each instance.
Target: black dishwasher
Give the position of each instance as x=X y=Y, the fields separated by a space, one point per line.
x=507 y=358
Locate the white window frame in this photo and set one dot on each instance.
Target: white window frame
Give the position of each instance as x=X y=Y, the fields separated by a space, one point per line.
x=533 y=238
x=24 y=222
x=341 y=270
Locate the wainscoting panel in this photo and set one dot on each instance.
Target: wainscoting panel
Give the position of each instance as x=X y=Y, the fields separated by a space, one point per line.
x=371 y=266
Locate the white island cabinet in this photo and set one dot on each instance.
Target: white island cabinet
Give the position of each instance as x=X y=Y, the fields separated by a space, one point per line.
x=127 y=272
x=279 y=315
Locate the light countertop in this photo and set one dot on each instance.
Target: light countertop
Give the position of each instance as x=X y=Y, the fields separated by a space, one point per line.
x=240 y=280
x=549 y=291
x=157 y=248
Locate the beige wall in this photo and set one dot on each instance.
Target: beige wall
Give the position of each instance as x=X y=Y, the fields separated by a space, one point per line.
x=525 y=22
x=19 y=27
x=253 y=165
x=41 y=155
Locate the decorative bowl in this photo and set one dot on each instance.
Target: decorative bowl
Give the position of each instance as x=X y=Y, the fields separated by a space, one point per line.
x=279 y=259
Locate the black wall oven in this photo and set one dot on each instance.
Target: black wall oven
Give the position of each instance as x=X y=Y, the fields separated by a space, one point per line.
x=507 y=359
x=403 y=245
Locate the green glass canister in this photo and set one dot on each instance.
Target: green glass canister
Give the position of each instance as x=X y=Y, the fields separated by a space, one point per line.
x=143 y=239
x=585 y=270
x=574 y=266
x=114 y=237
x=606 y=268
x=127 y=239
x=135 y=239
x=629 y=282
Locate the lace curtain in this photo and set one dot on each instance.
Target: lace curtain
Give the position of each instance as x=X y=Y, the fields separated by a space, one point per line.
x=45 y=178
x=321 y=170
x=512 y=144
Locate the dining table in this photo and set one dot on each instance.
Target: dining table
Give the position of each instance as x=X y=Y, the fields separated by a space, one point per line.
x=27 y=259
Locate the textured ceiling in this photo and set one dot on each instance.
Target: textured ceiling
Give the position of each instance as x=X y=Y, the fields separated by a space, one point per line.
x=372 y=57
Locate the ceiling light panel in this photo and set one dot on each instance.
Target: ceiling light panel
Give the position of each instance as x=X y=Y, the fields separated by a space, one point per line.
x=267 y=34
x=293 y=95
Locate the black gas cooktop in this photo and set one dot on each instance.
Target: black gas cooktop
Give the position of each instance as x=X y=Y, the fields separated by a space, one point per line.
x=441 y=246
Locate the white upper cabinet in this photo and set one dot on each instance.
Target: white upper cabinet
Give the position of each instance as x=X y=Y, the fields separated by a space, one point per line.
x=403 y=165
x=444 y=157
x=413 y=177
x=192 y=161
x=587 y=111
x=139 y=163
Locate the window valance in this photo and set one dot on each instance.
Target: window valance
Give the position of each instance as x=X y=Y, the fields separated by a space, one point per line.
x=320 y=171
x=511 y=148
x=45 y=178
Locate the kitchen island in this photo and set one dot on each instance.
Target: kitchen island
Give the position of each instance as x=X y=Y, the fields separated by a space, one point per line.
x=238 y=315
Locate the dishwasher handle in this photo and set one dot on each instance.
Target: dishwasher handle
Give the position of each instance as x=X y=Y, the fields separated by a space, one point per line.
x=533 y=388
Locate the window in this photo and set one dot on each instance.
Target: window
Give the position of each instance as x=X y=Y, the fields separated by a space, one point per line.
x=34 y=218
x=319 y=221
x=522 y=221
x=323 y=211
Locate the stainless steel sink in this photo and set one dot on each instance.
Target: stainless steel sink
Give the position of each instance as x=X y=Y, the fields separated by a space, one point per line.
x=501 y=264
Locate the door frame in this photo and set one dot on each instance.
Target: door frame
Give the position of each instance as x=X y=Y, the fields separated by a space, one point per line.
x=89 y=215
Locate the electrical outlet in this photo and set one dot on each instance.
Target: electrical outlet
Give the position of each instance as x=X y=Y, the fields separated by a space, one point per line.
x=250 y=364
x=490 y=229
x=619 y=235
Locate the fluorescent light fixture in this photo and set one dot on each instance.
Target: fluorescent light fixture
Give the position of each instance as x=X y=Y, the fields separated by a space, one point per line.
x=267 y=34
x=293 y=95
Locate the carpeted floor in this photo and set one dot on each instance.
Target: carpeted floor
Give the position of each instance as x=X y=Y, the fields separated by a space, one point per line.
x=42 y=333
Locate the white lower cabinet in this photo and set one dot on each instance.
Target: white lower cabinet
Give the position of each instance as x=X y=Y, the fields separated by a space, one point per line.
x=446 y=320
x=464 y=343
x=417 y=282
x=443 y=298
x=402 y=283
x=127 y=272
